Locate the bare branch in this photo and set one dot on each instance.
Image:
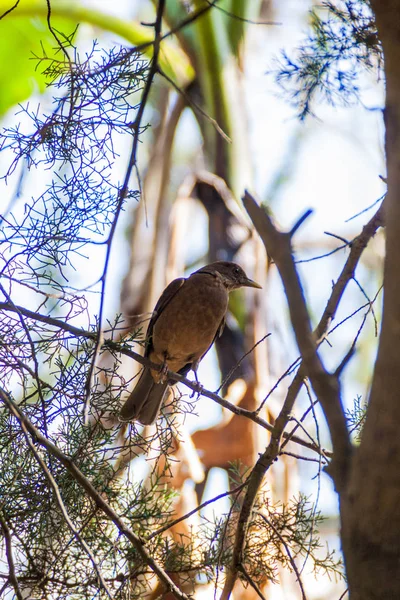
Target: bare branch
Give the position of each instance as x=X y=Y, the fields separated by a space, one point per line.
x=195 y=106
x=194 y=386
x=124 y=189
x=300 y=222
x=195 y=510
x=254 y=482
x=33 y=354
x=9 y=10
x=357 y=246
x=325 y=385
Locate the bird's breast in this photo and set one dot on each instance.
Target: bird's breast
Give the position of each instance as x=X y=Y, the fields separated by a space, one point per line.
x=187 y=326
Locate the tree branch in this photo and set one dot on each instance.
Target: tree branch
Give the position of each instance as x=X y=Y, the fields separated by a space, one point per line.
x=325 y=385
x=254 y=482
x=67 y=519
x=357 y=246
x=192 y=385
x=136 y=127
x=288 y=552
x=12 y=577
x=94 y=494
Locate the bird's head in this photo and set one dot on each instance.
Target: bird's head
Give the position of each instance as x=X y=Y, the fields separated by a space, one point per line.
x=231 y=274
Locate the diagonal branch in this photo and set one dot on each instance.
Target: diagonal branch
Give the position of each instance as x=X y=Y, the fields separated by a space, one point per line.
x=196 y=107
x=326 y=385
x=34 y=357
x=254 y=482
x=86 y=484
x=288 y=552
x=132 y=164
x=192 y=385
x=12 y=576
x=67 y=518
x=357 y=246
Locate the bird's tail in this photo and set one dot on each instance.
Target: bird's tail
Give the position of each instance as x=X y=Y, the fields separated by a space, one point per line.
x=145 y=401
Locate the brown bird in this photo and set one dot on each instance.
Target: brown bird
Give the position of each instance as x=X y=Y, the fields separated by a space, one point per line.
x=187 y=318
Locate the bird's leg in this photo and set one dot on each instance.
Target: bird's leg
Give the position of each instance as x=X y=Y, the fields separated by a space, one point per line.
x=195 y=366
x=163 y=370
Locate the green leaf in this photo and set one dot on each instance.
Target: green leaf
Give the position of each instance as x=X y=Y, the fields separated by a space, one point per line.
x=24 y=29
x=19 y=76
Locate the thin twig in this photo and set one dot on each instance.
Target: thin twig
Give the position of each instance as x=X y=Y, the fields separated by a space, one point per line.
x=366 y=209
x=64 y=51
x=338 y=237
x=195 y=510
x=239 y=362
x=355 y=312
x=290 y=557
x=123 y=193
x=63 y=509
x=76 y=331
x=298 y=425
x=195 y=106
x=314 y=258
x=288 y=371
x=364 y=293
x=9 y=10
x=314 y=511
x=300 y=222
x=253 y=584
x=279 y=248
x=299 y=456
x=141 y=47
x=232 y=15
x=86 y=484
x=352 y=348
x=34 y=358
x=254 y=482
x=12 y=576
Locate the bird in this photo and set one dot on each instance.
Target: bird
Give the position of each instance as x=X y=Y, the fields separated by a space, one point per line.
x=188 y=317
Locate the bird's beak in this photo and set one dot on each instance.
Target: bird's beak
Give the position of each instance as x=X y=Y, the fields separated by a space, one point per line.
x=250 y=283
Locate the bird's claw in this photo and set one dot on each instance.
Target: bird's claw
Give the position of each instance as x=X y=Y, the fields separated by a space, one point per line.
x=163 y=372
x=200 y=387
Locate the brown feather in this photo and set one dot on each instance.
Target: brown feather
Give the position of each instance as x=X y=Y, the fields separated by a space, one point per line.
x=187 y=318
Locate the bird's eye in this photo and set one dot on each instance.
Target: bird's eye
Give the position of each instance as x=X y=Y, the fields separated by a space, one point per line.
x=236 y=270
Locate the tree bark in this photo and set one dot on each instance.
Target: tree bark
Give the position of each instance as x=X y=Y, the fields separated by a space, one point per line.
x=370 y=504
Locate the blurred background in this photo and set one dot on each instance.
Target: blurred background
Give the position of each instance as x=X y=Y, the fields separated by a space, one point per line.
x=192 y=177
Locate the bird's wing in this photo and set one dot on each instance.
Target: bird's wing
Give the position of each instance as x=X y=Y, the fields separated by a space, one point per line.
x=220 y=329
x=170 y=291
x=218 y=333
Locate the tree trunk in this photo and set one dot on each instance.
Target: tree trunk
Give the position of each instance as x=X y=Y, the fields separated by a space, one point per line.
x=370 y=505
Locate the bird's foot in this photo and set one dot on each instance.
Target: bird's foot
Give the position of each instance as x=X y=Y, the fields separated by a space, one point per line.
x=200 y=387
x=199 y=391
x=163 y=372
